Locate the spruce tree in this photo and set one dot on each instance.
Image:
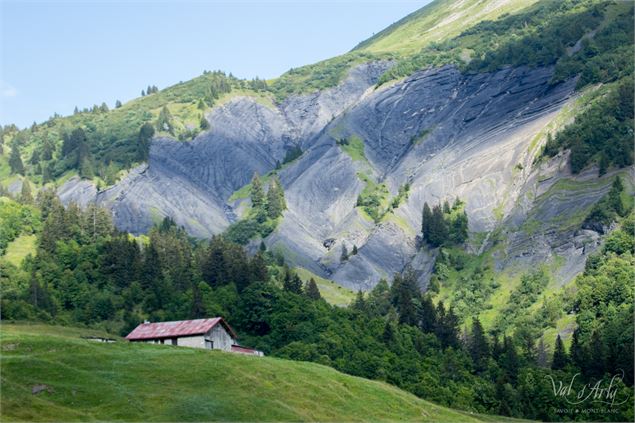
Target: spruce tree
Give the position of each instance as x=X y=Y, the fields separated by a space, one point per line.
x=579 y=356
x=146 y=132
x=597 y=356
x=389 y=333
x=275 y=199
x=426 y=220
x=311 y=290
x=478 y=346
x=354 y=252
x=344 y=255
x=438 y=231
x=359 y=303
x=509 y=360
x=560 y=358
x=427 y=315
x=292 y=282
x=15 y=161
x=25 y=195
x=118 y=104
x=257 y=193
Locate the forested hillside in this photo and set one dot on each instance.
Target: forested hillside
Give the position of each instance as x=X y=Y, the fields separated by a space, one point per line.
x=84 y=272
x=447 y=208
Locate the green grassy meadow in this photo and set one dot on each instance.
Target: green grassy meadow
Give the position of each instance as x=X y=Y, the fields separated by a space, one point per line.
x=87 y=380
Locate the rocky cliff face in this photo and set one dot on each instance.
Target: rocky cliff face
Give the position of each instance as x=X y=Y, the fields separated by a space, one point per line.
x=445 y=133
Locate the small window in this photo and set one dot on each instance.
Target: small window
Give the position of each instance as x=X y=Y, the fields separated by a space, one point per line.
x=209 y=344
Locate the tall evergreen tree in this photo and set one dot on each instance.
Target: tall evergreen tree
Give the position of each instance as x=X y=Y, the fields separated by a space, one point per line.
x=275 y=199
x=405 y=294
x=257 y=192
x=541 y=356
x=427 y=315
x=509 y=360
x=146 y=132
x=478 y=346
x=311 y=290
x=15 y=161
x=426 y=221
x=597 y=356
x=25 y=194
x=292 y=282
x=438 y=231
x=560 y=358
x=344 y=255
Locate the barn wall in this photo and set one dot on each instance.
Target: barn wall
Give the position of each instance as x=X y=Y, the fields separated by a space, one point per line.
x=222 y=340
x=191 y=341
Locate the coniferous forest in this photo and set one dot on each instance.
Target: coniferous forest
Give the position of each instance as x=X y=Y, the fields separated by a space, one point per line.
x=85 y=272
x=447 y=208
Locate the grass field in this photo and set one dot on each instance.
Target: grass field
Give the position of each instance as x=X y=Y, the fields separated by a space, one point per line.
x=19 y=248
x=84 y=380
x=333 y=293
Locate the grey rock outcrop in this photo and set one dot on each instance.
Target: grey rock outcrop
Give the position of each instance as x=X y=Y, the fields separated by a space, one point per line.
x=447 y=134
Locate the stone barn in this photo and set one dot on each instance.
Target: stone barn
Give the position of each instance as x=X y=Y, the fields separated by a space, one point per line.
x=210 y=334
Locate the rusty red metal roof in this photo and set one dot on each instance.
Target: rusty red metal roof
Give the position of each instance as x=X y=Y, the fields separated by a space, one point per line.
x=176 y=329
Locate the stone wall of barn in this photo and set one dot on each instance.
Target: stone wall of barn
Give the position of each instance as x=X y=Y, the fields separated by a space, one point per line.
x=221 y=339
x=192 y=341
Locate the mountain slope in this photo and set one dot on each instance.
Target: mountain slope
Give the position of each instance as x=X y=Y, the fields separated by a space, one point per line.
x=395 y=124
x=436 y=22
x=86 y=380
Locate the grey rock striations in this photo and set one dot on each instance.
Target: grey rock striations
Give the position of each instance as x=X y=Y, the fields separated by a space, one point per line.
x=447 y=134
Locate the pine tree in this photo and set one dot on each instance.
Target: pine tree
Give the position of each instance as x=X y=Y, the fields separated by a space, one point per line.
x=509 y=360
x=597 y=356
x=143 y=93
x=292 y=282
x=146 y=132
x=354 y=252
x=118 y=104
x=405 y=293
x=427 y=315
x=25 y=195
x=344 y=255
x=359 y=303
x=438 y=231
x=75 y=111
x=426 y=220
x=257 y=193
x=560 y=358
x=204 y=125
x=389 y=333
x=275 y=199
x=578 y=354
x=458 y=228
x=311 y=290
x=478 y=346
x=201 y=104
x=15 y=161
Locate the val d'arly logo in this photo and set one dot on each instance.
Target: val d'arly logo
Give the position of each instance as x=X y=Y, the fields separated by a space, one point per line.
x=598 y=392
